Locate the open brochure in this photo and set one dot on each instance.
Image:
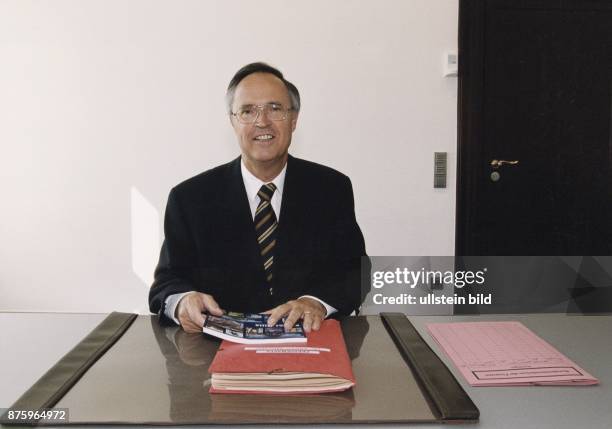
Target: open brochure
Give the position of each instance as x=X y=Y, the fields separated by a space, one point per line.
x=247 y=328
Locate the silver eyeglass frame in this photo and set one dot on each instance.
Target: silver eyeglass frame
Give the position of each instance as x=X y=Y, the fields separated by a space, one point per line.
x=260 y=109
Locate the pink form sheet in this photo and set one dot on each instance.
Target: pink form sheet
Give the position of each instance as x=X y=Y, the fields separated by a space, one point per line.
x=505 y=354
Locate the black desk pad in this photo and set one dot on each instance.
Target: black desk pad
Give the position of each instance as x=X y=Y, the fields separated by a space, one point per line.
x=131 y=370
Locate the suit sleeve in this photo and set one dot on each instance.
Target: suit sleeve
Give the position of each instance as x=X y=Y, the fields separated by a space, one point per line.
x=338 y=282
x=175 y=269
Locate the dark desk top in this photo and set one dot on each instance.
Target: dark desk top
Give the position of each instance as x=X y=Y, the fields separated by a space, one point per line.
x=44 y=337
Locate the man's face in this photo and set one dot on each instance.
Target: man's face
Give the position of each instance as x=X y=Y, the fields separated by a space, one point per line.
x=258 y=149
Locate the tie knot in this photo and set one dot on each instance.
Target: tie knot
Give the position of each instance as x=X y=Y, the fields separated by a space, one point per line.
x=266 y=191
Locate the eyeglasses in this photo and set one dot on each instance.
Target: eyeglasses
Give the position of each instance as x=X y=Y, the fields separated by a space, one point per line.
x=273 y=111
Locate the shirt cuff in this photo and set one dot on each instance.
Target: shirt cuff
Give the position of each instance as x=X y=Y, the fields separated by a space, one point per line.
x=330 y=310
x=172 y=302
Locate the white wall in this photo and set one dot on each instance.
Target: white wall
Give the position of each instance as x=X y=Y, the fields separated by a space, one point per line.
x=105 y=105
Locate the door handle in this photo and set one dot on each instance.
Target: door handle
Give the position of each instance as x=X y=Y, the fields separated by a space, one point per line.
x=496 y=163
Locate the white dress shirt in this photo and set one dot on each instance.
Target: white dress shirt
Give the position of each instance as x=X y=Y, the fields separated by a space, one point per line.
x=252 y=185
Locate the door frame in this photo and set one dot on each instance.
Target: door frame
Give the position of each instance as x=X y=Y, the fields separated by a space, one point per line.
x=470 y=119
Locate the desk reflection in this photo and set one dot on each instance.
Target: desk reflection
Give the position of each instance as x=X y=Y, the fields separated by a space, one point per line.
x=188 y=357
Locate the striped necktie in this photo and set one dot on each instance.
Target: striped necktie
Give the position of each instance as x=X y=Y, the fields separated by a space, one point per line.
x=265 y=229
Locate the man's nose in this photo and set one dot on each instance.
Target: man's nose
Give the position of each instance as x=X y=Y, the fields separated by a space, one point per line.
x=262 y=118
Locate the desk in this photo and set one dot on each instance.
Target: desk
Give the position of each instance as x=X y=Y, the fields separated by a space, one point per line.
x=33 y=342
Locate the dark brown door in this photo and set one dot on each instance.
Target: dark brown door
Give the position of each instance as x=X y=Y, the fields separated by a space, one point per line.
x=535 y=84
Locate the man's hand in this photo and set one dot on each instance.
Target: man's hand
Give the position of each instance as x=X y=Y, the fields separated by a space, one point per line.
x=311 y=310
x=190 y=308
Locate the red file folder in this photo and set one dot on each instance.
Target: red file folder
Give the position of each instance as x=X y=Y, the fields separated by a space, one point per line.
x=320 y=365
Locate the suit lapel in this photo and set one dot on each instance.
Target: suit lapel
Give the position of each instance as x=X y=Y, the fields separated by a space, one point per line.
x=239 y=212
x=290 y=210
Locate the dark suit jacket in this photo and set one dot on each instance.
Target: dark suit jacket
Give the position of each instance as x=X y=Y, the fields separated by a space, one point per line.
x=210 y=244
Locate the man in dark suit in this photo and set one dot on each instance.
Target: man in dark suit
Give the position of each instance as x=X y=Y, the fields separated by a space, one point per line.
x=266 y=232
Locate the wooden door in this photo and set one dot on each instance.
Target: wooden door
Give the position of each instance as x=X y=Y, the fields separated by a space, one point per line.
x=535 y=84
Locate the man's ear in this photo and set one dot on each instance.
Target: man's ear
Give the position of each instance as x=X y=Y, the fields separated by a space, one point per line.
x=294 y=119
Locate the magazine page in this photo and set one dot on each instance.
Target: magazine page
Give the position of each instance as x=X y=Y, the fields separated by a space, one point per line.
x=252 y=329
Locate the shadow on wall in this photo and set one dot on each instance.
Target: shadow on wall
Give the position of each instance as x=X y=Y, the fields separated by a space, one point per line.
x=146 y=240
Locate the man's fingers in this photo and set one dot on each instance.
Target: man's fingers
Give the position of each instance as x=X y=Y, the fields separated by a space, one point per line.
x=195 y=316
x=189 y=311
x=277 y=313
x=191 y=307
x=211 y=305
x=187 y=324
x=316 y=322
x=307 y=323
x=312 y=321
x=311 y=311
x=293 y=317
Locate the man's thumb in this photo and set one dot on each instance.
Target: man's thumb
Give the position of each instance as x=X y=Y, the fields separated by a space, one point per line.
x=212 y=306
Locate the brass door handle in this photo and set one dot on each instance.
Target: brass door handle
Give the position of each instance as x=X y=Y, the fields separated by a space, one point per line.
x=496 y=163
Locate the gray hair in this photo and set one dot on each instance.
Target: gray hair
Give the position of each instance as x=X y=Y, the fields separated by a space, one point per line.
x=259 y=67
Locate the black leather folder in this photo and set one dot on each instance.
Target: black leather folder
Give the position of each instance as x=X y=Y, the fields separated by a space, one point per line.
x=130 y=370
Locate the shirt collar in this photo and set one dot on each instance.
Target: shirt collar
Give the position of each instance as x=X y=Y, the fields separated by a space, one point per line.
x=252 y=184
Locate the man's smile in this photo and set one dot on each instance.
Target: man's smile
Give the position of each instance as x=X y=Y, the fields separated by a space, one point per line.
x=264 y=138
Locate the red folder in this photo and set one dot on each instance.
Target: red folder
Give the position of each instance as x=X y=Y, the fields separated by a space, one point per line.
x=320 y=365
